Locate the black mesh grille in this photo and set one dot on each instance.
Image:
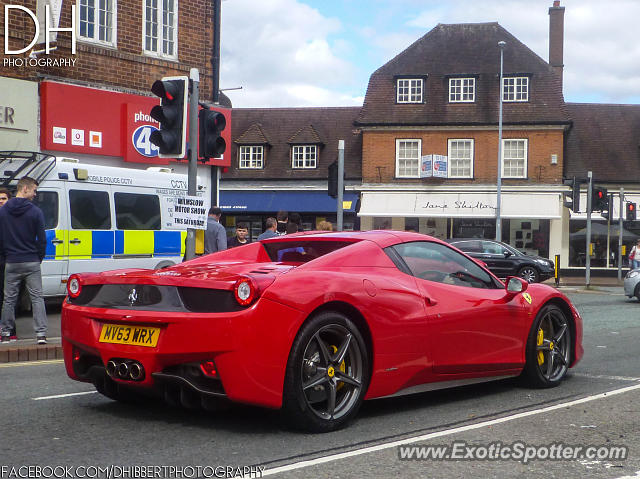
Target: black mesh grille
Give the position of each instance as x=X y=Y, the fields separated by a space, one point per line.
x=146 y=297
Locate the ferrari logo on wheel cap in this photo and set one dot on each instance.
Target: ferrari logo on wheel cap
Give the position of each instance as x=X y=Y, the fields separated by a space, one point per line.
x=331 y=372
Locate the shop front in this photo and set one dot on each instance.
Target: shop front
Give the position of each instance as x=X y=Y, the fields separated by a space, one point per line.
x=604 y=235
x=314 y=206
x=18 y=115
x=532 y=221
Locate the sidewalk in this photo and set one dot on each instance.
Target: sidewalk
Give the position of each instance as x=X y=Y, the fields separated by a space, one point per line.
x=25 y=348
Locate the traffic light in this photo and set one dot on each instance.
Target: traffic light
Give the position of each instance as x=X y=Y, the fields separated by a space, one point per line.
x=172 y=115
x=599 y=199
x=572 y=198
x=211 y=124
x=608 y=213
x=631 y=211
x=332 y=184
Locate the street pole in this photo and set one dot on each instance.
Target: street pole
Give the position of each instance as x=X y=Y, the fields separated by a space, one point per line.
x=192 y=178
x=620 y=235
x=340 y=182
x=588 y=250
x=215 y=96
x=501 y=44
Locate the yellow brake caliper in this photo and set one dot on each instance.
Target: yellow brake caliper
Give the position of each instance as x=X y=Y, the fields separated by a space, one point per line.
x=343 y=366
x=539 y=343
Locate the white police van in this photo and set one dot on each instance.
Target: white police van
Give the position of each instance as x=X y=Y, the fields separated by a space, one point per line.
x=99 y=218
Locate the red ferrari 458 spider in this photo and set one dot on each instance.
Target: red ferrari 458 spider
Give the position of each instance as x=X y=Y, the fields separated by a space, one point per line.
x=315 y=323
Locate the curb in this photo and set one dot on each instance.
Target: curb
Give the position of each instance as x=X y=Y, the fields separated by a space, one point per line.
x=30 y=352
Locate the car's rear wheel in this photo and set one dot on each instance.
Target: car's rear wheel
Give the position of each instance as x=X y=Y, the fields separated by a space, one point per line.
x=548 y=348
x=327 y=374
x=529 y=274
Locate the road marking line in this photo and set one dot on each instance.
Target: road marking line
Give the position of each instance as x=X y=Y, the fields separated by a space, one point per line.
x=31 y=363
x=446 y=432
x=604 y=376
x=57 y=396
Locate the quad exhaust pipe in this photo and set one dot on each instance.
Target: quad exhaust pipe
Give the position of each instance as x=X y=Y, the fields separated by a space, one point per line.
x=125 y=369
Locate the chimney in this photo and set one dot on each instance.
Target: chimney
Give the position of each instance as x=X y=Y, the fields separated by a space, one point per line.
x=556 y=38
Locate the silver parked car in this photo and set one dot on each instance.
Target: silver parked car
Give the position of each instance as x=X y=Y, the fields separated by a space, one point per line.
x=632 y=283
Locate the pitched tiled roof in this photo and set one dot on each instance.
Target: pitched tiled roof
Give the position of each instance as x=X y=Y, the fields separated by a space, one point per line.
x=306 y=134
x=284 y=126
x=604 y=139
x=253 y=135
x=460 y=50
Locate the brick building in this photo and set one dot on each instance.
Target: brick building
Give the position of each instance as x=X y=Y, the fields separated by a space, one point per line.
x=279 y=161
x=88 y=96
x=430 y=138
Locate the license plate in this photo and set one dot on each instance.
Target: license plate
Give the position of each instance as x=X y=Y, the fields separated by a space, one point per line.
x=134 y=335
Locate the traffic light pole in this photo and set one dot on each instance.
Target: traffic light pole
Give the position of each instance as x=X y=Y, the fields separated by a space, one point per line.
x=620 y=230
x=340 y=182
x=588 y=250
x=192 y=178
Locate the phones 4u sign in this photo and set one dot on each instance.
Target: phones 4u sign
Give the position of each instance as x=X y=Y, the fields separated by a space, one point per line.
x=434 y=166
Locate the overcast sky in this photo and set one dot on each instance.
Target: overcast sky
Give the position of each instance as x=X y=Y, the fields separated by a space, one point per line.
x=287 y=53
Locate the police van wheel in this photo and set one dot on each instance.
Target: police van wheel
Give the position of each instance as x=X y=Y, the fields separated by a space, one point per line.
x=164 y=264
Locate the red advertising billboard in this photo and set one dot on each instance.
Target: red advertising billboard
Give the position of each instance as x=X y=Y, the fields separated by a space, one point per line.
x=90 y=121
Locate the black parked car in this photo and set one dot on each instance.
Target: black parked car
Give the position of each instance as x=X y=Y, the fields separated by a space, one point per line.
x=503 y=260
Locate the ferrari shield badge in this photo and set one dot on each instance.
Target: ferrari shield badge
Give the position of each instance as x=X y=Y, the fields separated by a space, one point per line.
x=527 y=297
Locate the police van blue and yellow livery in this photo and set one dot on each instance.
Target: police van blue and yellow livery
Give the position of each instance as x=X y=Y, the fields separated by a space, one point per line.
x=99 y=218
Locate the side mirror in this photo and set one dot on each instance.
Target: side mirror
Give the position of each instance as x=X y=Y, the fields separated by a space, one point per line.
x=515 y=285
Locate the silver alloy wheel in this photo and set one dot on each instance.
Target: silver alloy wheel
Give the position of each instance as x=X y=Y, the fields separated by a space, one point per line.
x=529 y=274
x=552 y=345
x=332 y=372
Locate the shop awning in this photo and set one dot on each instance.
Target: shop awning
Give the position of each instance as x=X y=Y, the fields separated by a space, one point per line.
x=461 y=205
x=273 y=201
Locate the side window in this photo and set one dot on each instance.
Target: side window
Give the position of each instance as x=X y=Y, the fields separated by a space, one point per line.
x=439 y=263
x=469 y=246
x=137 y=212
x=492 y=248
x=89 y=210
x=47 y=201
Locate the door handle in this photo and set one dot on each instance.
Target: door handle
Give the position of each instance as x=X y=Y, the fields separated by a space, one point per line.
x=430 y=301
x=56 y=241
x=75 y=241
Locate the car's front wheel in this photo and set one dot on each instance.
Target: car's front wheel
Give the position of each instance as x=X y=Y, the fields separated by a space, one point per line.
x=548 y=348
x=529 y=274
x=327 y=374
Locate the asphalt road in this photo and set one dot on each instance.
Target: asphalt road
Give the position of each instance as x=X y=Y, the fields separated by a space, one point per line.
x=49 y=420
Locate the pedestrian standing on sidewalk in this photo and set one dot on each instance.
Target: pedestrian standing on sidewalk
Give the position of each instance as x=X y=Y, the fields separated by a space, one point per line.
x=23 y=244
x=634 y=256
x=215 y=237
x=270 y=232
x=5 y=195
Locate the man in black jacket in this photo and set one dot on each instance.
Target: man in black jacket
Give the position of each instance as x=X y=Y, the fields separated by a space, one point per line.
x=5 y=194
x=23 y=244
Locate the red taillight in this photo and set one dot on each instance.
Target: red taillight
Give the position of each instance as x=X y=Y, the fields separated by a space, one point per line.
x=76 y=354
x=209 y=369
x=74 y=286
x=244 y=291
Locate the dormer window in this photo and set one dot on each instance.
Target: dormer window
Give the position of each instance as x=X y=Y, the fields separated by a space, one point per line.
x=409 y=90
x=304 y=156
x=251 y=157
x=462 y=90
x=515 y=89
